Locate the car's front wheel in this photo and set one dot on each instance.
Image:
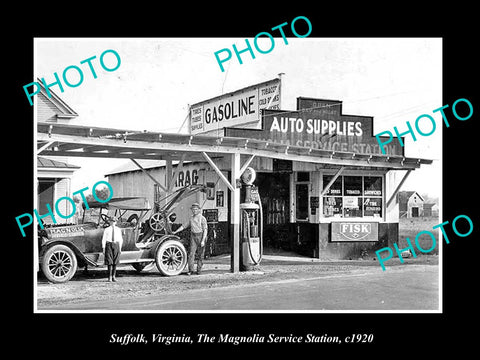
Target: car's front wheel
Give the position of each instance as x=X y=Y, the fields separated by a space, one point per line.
x=59 y=264
x=171 y=257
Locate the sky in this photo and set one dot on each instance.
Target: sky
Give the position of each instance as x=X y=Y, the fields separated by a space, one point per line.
x=392 y=79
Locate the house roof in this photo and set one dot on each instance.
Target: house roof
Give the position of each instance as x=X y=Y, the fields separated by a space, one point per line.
x=64 y=110
x=403 y=196
x=49 y=163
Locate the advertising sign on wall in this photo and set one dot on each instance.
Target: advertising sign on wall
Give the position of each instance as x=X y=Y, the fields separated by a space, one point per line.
x=235 y=108
x=319 y=124
x=354 y=231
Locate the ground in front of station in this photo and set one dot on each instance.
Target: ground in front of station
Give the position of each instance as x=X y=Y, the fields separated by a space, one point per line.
x=282 y=282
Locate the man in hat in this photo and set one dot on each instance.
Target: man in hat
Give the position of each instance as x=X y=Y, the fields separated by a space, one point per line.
x=198 y=229
x=112 y=241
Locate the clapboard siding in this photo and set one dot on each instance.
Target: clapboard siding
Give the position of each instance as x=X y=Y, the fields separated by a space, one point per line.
x=46 y=111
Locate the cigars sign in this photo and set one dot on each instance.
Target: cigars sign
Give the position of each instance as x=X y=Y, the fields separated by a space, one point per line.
x=236 y=108
x=354 y=231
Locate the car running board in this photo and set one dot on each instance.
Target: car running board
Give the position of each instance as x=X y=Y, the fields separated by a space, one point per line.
x=126 y=257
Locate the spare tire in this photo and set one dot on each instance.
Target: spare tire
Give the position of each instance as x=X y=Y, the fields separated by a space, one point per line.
x=157 y=222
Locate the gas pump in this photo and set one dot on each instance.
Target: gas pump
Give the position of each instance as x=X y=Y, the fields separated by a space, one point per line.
x=251 y=224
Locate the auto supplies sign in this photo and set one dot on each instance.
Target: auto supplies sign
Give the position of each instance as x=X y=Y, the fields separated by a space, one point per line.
x=354 y=231
x=319 y=124
x=240 y=107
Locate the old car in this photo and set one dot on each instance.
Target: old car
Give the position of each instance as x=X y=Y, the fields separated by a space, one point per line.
x=65 y=248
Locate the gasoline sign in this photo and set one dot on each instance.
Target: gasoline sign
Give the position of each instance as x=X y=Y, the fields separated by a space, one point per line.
x=235 y=108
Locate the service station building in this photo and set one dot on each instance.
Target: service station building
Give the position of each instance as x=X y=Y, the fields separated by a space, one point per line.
x=327 y=191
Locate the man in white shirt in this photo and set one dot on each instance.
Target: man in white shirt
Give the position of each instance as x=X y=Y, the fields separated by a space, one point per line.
x=112 y=241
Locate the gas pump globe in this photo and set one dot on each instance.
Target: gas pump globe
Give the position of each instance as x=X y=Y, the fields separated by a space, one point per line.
x=251 y=226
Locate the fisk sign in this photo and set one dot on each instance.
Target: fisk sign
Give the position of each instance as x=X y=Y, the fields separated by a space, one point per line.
x=354 y=231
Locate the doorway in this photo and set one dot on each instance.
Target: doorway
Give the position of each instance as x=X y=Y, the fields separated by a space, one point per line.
x=414 y=211
x=274 y=190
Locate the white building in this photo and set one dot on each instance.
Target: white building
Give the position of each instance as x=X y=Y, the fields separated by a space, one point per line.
x=53 y=174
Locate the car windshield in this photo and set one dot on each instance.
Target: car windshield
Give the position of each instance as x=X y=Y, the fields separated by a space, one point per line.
x=92 y=215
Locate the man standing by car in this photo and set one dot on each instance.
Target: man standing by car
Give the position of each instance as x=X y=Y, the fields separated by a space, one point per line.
x=112 y=245
x=198 y=229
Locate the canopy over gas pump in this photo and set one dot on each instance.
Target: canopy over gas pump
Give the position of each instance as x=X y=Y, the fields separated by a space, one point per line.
x=251 y=224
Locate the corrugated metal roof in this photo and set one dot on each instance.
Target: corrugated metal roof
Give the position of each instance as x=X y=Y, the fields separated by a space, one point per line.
x=49 y=163
x=146 y=164
x=86 y=141
x=130 y=166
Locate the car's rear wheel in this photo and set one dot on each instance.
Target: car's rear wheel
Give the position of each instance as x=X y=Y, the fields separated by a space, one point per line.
x=59 y=264
x=171 y=258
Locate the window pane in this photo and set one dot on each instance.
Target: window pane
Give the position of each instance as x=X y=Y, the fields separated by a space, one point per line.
x=352 y=185
x=302 y=201
x=373 y=185
x=332 y=206
x=45 y=195
x=352 y=206
x=372 y=207
x=336 y=188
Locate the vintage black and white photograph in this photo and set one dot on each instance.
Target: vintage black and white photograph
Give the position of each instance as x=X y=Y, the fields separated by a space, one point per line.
x=280 y=173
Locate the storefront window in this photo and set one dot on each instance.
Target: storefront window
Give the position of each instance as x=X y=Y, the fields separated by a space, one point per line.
x=372 y=189
x=372 y=207
x=332 y=206
x=336 y=188
x=353 y=196
x=352 y=185
x=352 y=206
x=372 y=185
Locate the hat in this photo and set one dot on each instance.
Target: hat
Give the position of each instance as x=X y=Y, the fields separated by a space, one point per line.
x=195 y=205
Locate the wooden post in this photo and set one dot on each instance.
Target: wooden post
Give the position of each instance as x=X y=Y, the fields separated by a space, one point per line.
x=168 y=173
x=178 y=168
x=235 y=214
x=392 y=197
x=244 y=167
x=219 y=172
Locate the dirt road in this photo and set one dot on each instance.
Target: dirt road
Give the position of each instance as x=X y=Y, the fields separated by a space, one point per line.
x=413 y=285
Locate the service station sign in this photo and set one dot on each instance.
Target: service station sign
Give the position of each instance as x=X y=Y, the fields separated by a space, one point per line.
x=319 y=124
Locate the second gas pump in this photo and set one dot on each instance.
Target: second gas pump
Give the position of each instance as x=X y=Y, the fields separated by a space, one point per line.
x=251 y=223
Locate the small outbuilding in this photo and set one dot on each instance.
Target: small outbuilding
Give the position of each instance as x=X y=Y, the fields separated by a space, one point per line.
x=430 y=209
x=411 y=204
